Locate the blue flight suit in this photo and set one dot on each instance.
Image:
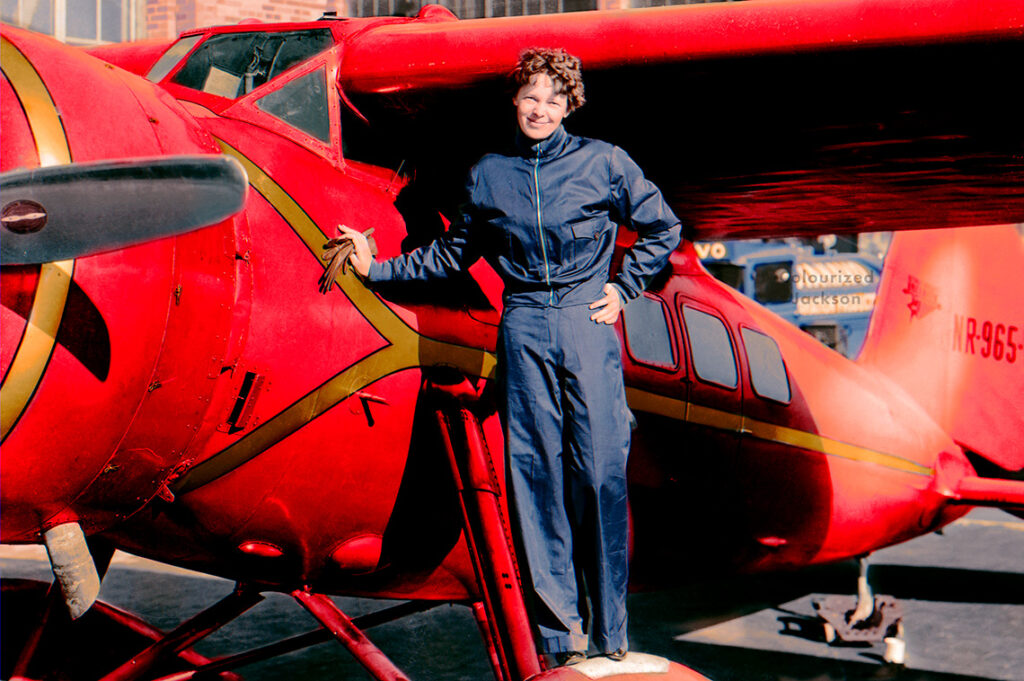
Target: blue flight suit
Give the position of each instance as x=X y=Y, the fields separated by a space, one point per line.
x=545 y=217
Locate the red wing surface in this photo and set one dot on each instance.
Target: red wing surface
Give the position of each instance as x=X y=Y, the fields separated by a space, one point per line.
x=756 y=119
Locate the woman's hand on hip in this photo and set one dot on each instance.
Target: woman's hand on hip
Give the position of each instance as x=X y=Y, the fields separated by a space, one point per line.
x=608 y=306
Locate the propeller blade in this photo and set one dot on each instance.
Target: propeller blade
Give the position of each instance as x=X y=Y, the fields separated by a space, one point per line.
x=69 y=211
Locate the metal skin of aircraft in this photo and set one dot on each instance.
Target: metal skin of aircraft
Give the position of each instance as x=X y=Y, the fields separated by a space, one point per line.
x=188 y=394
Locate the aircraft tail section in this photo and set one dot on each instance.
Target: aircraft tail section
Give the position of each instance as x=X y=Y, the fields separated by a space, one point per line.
x=948 y=327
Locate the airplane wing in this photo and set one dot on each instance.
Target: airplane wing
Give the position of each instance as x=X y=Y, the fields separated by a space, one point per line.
x=760 y=118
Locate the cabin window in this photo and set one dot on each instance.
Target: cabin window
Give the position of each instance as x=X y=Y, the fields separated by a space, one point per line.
x=302 y=104
x=710 y=347
x=648 y=335
x=767 y=370
x=233 y=64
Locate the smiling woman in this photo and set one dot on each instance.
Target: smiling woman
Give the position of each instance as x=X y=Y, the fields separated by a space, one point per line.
x=549 y=89
x=545 y=216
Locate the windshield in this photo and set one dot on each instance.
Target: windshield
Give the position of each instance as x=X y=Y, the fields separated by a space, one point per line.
x=171 y=58
x=233 y=64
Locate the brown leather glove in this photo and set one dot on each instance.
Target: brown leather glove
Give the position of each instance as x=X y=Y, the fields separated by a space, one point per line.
x=337 y=252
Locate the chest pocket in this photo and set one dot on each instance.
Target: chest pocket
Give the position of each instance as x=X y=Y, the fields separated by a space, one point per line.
x=587 y=229
x=582 y=248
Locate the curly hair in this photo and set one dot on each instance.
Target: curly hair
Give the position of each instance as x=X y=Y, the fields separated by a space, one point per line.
x=562 y=67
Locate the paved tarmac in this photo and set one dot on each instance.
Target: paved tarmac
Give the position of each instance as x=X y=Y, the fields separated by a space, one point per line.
x=962 y=594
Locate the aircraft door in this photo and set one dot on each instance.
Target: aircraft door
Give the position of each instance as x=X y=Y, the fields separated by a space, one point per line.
x=713 y=426
x=654 y=367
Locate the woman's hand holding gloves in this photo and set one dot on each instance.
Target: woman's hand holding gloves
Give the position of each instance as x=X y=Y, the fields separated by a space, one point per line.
x=352 y=247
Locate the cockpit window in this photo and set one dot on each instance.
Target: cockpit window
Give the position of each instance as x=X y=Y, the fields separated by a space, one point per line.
x=302 y=104
x=233 y=64
x=171 y=58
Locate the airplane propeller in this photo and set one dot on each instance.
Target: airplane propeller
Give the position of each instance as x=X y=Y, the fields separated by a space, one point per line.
x=69 y=211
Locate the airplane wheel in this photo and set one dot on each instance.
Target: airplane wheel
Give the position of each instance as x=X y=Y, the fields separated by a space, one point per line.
x=88 y=648
x=829 y=632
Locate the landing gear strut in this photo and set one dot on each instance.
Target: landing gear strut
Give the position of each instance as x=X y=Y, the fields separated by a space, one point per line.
x=866 y=618
x=502 y=610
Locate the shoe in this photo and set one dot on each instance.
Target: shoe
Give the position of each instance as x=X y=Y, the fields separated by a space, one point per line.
x=570 y=658
x=617 y=655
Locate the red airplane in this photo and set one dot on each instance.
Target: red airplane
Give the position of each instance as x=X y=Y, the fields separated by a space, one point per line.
x=190 y=396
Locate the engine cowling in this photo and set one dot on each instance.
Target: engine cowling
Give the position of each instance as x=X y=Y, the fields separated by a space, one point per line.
x=112 y=362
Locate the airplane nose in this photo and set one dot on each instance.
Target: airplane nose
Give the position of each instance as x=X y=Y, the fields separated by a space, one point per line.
x=97 y=350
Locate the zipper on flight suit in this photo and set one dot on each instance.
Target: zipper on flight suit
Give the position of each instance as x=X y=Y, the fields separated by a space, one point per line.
x=540 y=228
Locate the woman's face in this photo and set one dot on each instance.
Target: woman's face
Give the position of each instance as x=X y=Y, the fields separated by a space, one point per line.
x=538 y=109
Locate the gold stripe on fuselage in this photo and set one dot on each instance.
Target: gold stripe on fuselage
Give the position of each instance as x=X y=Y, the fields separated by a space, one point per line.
x=37 y=342
x=43 y=118
x=406 y=349
x=762 y=430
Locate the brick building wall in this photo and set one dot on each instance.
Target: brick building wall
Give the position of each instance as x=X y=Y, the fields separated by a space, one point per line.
x=471 y=9
x=168 y=18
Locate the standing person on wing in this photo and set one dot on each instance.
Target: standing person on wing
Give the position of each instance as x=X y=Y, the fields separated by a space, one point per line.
x=545 y=216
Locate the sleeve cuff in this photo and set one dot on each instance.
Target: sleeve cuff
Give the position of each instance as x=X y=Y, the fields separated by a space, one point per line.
x=624 y=295
x=376 y=272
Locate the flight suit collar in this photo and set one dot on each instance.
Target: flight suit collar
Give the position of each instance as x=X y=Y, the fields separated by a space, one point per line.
x=550 y=146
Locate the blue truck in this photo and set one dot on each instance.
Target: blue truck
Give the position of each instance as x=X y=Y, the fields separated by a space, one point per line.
x=824 y=285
